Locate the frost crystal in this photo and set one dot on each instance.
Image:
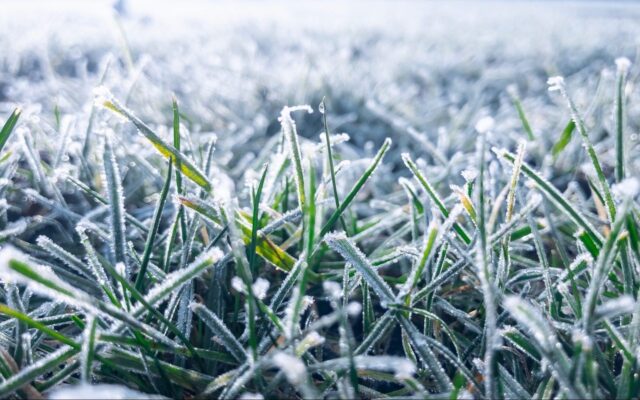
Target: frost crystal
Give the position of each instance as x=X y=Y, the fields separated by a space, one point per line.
x=485 y=124
x=332 y=289
x=629 y=187
x=102 y=96
x=469 y=174
x=260 y=288
x=238 y=285
x=102 y=391
x=623 y=64
x=404 y=369
x=312 y=339
x=555 y=83
x=250 y=396
x=354 y=308
x=292 y=367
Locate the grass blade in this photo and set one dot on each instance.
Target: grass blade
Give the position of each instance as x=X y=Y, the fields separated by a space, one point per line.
x=8 y=127
x=88 y=348
x=116 y=202
x=356 y=188
x=433 y=195
x=182 y=163
x=157 y=216
x=224 y=335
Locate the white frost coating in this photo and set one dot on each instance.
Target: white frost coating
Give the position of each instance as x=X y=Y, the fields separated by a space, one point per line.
x=555 y=83
x=529 y=316
x=340 y=243
x=485 y=124
x=301 y=107
x=578 y=336
x=469 y=174
x=478 y=363
x=7 y=274
x=354 y=308
x=312 y=339
x=260 y=288
x=623 y=64
x=332 y=289
x=99 y=392
x=102 y=95
x=121 y=269
x=250 y=396
x=307 y=301
x=629 y=187
x=157 y=292
x=404 y=369
x=7 y=254
x=612 y=308
x=238 y=285
x=292 y=367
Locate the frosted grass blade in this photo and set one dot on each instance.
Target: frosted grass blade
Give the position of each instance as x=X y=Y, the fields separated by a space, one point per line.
x=157 y=215
x=553 y=194
x=8 y=127
x=182 y=163
x=356 y=188
x=116 y=202
x=342 y=245
x=88 y=348
x=221 y=331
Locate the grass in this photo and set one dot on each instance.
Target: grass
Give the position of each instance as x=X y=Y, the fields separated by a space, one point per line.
x=132 y=260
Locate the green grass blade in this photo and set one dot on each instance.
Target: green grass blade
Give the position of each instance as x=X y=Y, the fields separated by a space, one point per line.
x=557 y=83
x=342 y=245
x=621 y=80
x=43 y=366
x=565 y=138
x=523 y=117
x=8 y=127
x=218 y=327
x=327 y=137
x=291 y=136
x=255 y=220
x=88 y=349
x=157 y=216
x=433 y=195
x=356 y=188
x=182 y=163
x=554 y=195
x=116 y=202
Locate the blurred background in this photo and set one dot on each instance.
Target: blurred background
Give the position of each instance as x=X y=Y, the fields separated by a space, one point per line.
x=387 y=68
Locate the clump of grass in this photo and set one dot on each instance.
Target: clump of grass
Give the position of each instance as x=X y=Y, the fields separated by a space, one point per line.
x=143 y=266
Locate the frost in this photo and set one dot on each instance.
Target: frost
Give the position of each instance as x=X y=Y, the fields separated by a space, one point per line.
x=469 y=174
x=485 y=124
x=555 y=83
x=178 y=278
x=623 y=64
x=102 y=95
x=312 y=339
x=98 y=392
x=332 y=289
x=292 y=367
x=404 y=369
x=354 y=308
x=250 y=396
x=624 y=304
x=260 y=287
x=578 y=336
x=238 y=285
x=628 y=188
